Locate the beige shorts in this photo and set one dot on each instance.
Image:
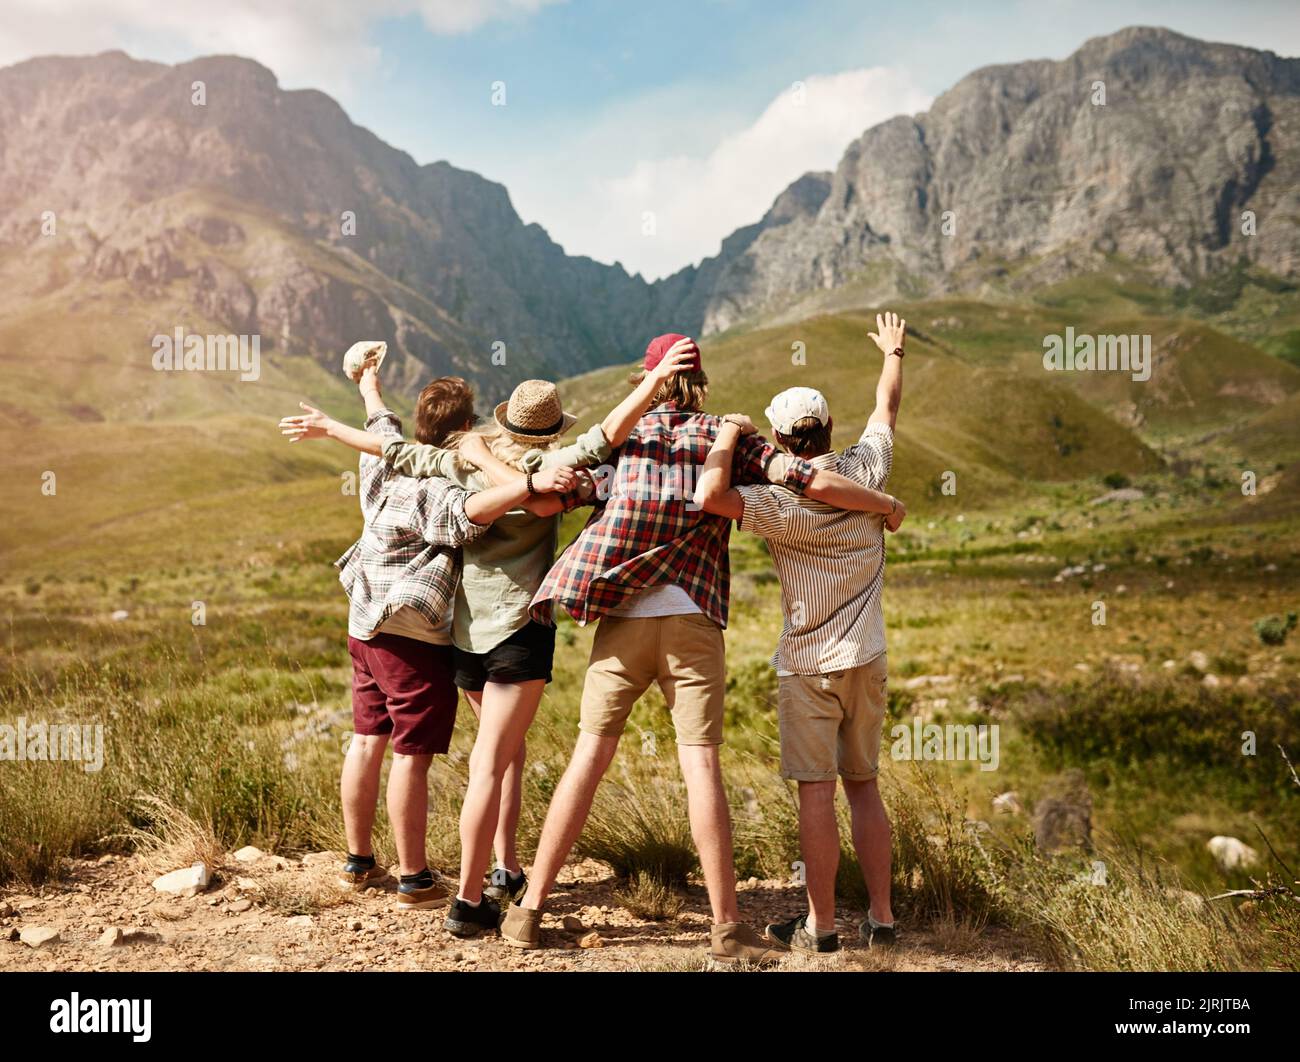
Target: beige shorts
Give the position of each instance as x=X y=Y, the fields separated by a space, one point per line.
x=832 y=723
x=686 y=655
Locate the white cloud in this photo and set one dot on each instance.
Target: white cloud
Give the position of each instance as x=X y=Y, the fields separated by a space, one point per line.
x=308 y=43
x=697 y=199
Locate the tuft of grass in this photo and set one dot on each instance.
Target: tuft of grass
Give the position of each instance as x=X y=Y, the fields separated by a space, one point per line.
x=639 y=826
x=648 y=898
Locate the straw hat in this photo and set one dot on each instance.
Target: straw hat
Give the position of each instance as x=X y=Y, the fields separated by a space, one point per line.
x=534 y=413
x=355 y=358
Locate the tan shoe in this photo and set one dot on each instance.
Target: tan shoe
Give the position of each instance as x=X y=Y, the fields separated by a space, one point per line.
x=358 y=878
x=737 y=942
x=522 y=927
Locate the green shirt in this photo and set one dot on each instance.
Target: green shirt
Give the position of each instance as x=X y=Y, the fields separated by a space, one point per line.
x=505 y=566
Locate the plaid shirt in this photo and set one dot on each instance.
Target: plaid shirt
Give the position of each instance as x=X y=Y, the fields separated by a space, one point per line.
x=408 y=553
x=648 y=531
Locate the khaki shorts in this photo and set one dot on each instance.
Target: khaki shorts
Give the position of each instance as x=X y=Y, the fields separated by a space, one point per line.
x=686 y=655
x=832 y=723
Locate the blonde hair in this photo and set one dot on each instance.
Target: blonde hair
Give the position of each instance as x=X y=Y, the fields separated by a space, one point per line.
x=686 y=390
x=505 y=447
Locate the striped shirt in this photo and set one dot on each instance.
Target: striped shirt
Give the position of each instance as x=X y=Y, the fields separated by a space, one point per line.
x=831 y=563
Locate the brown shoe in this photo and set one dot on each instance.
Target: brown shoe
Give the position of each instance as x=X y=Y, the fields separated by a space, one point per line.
x=358 y=878
x=522 y=927
x=737 y=942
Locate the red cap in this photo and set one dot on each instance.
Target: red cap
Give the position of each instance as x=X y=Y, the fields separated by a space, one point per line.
x=660 y=345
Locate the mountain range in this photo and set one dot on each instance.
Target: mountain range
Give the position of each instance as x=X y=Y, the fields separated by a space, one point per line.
x=129 y=206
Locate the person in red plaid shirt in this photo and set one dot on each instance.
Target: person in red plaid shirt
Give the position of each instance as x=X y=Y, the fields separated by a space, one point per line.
x=653 y=568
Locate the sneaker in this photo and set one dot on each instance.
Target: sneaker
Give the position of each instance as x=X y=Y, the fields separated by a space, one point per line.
x=794 y=934
x=412 y=896
x=504 y=885
x=877 y=934
x=361 y=876
x=466 y=921
x=737 y=942
x=522 y=927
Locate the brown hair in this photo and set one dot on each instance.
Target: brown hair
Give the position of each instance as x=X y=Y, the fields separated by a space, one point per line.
x=445 y=406
x=686 y=390
x=808 y=437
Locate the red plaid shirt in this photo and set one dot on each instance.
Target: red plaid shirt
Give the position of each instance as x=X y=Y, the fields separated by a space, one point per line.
x=647 y=530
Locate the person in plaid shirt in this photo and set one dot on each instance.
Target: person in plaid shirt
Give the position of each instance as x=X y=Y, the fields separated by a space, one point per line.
x=400 y=577
x=653 y=568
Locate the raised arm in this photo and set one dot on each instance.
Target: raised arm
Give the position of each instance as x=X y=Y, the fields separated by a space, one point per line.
x=620 y=421
x=889 y=389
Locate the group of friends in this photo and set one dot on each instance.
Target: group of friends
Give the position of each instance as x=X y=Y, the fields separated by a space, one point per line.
x=453 y=584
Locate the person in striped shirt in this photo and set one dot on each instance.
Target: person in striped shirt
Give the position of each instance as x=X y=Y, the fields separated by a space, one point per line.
x=830 y=661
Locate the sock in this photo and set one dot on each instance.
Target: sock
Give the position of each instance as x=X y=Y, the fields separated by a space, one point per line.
x=812 y=928
x=421 y=880
x=467 y=903
x=365 y=861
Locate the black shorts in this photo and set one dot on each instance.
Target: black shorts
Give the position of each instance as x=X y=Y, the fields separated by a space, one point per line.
x=525 y=655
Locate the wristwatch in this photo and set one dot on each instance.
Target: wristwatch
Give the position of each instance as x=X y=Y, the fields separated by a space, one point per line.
x=898 y=351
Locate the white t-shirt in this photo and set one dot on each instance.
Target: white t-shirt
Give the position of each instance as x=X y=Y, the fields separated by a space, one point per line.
x=667 y=599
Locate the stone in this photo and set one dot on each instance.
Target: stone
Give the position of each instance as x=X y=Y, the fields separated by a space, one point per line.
x=1063 y=817
x=300 y=921
x=314 y=859
x=1198 y=660
x=355 y=924
x=1231 y=853
x=189 y=881
x=573 y=924
x=1008 y=803
x=39 y=936
x=248 y=854
x=590 y=940
x=240 y=906
x=247 y=885
x=110 y=938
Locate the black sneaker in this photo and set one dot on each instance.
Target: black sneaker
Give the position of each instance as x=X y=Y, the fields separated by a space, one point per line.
x=466 y=921
x=505 y=886
x=877 y=934
x=794 y=934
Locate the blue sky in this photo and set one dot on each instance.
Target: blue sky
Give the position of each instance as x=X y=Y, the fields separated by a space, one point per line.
x=642 y=133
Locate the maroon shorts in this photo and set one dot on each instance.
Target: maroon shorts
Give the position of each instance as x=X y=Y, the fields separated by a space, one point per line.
x=403 y=686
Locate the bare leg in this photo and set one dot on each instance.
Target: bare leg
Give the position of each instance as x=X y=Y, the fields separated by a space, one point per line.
x=871 y=841
x=408 y=809
x=819 y=847
x=359 y=788
x=711 y=826
x=512 y=795
x=568 y=812
x=506 y=711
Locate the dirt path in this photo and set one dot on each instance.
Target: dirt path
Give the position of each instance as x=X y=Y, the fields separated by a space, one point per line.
x=287 y=914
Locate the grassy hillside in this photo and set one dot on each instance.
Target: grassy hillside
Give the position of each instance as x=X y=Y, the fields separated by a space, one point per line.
x=991 y=603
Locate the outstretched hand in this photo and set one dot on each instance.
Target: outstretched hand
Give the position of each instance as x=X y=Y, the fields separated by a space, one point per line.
x=892 y=330
x=313 y=425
